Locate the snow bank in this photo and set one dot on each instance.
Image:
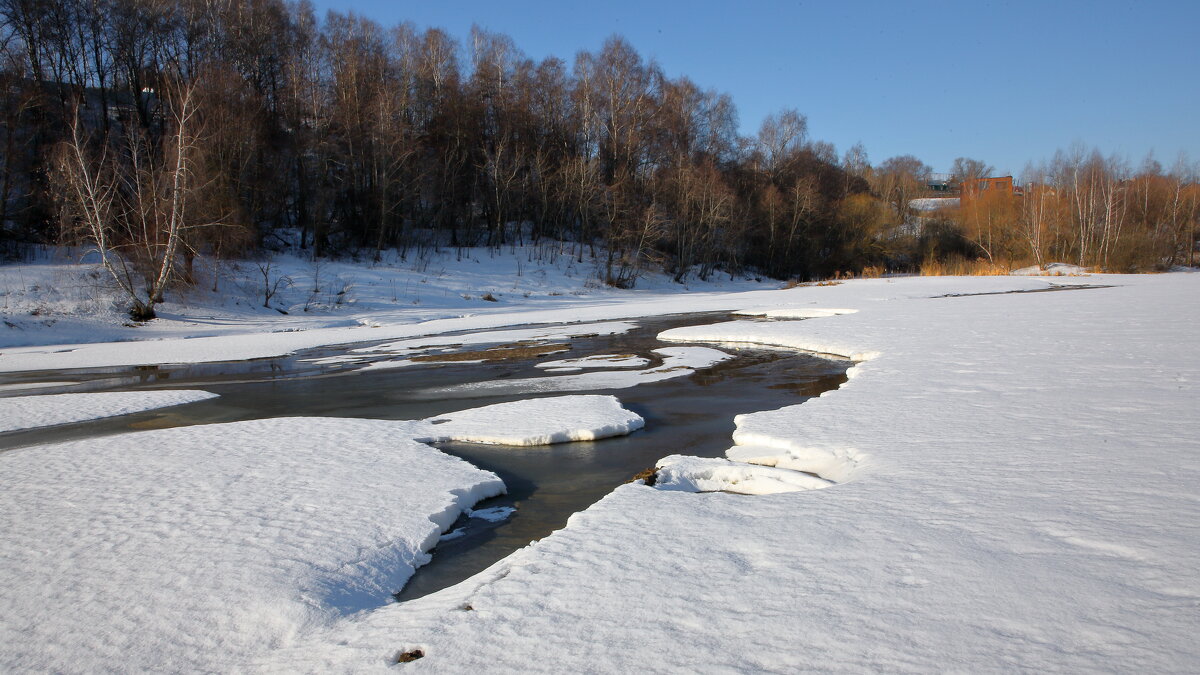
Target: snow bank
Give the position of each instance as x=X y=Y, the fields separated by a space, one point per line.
x=836 y=464
x=28 y=412
x=702 y=474
x=191 y=549
x=539 y=421
x=780 y=334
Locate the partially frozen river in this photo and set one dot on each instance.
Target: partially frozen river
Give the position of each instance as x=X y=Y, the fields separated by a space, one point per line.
x=692 y=415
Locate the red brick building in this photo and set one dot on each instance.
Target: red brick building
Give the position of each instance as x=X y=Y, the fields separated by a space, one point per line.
x=973 y=187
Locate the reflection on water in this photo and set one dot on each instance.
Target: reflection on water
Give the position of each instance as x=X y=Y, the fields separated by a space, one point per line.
x=687 y=415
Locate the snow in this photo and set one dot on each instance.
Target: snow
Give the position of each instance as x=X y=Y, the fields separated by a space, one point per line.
x=933 y=203
x=795 y=312
x=56 y=300
x=43 y=384
x=203 y=545
x=834 y=464
x=1015 y=490
x=701 y=474
x=1009 y=483
x=495 y=514
x=28 y=412
x=539 y=421
x=1051 y=270
x=58 y=315
x=191 y=549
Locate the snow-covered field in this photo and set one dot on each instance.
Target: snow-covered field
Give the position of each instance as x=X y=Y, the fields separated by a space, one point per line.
x=1008 y=481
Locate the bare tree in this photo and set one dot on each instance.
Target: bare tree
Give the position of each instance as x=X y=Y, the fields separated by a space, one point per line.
x=134 y=207
x=965 y=168
x=900 y=179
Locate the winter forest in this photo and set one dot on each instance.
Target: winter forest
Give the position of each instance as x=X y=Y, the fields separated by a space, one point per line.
x=158 y=130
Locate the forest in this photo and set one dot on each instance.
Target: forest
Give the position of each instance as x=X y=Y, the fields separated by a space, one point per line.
x=158 y=130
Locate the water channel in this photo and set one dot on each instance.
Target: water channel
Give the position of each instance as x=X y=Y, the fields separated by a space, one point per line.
x=690 y=415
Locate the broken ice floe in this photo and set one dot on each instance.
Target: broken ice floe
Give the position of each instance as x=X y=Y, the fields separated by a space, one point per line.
x=539 y=421
x=495 y=514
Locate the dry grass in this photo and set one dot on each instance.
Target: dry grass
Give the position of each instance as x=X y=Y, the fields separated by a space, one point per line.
x=793 y=283
x=409 y=656
x=497 y=354
x=963 y=267
x=648 y=476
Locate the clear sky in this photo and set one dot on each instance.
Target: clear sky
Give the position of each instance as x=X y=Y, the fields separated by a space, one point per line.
x=1005 y=82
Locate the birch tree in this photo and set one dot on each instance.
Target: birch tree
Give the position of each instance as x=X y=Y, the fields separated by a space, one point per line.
x=131 y=200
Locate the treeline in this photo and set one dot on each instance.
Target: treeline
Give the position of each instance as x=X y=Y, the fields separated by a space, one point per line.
x=165 y=128
x=1091 y=210
x=363 y=137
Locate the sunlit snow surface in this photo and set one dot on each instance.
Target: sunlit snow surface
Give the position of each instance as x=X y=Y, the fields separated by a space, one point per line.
x=192 y=549
x=28 y=412
x=540 y=421
x=1017 y=480
x=1015 y=488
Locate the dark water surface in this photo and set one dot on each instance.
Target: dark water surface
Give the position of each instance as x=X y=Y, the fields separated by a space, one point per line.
x=687 y=415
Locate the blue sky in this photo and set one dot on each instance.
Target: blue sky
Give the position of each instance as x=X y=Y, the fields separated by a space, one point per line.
x=1004 y=82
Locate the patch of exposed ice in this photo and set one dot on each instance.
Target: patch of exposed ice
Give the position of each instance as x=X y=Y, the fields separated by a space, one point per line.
x=596 y=361
x=548 y=333
x=495 y=514
x=677 y=362
x=28 y=412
